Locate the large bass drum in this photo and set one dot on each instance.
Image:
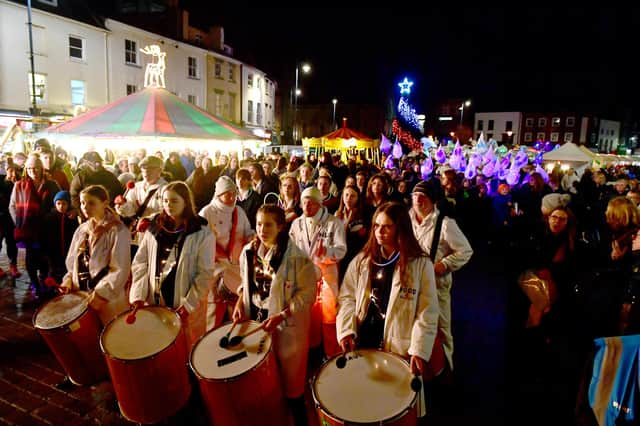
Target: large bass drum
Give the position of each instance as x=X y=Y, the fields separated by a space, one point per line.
x=240 y=385
x=147 y=360
x=374 y=387
x=72 y=331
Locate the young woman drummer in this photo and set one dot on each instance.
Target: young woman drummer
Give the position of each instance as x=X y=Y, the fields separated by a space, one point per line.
x=278 y=288
x=99 y=258
x=173 y=265
x=388 y=298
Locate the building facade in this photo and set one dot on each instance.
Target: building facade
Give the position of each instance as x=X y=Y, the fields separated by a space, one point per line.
x=503 y=127
x=223 y=86
x=70 y=64
x=258 y=101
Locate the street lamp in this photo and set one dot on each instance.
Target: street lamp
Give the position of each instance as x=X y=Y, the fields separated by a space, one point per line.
x=333 y=120
x=466 y=103
x=306 y=69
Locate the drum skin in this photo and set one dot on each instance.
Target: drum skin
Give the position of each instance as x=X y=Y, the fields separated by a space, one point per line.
x=75 y=340
x=252 y=394
x=375 y=377
x=154 y=386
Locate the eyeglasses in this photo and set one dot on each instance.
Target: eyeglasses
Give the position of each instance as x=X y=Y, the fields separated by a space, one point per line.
x=559 y=218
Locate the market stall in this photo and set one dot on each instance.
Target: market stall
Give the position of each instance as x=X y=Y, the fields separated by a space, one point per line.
x=344 y=141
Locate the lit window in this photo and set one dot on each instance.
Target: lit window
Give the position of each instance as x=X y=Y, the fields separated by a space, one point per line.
x=555 y=122
x=40 y=88
x=130 y=52
x=77 y=92
x=76 y=47
x=193 y=67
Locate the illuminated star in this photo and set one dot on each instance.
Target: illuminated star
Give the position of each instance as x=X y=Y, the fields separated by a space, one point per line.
x=405 y=86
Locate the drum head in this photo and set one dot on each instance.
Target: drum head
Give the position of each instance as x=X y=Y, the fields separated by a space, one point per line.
x=154 y=329
x=210 y=361
x=61 y=310
x=373 y=387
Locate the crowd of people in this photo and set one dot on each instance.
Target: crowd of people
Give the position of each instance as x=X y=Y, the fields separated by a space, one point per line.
x=330 y=256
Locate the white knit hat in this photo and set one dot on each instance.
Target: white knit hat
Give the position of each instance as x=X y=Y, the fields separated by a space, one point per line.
x=225 y=184
x=313 y=193
x=551 y=202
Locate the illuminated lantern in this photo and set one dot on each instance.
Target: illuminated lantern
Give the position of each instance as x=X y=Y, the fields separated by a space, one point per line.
x=385 y=145
x=427 y=168
x=397 y=150
x=441 y=157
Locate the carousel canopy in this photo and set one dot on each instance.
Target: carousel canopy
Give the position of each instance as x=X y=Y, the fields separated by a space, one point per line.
x=152 y=112
x=342 y=139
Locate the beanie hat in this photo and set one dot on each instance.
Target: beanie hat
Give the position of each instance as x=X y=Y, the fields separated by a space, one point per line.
x=313 y=193
x=62 y=195
x=424 y=188
x=551 y=202
x=224 y=184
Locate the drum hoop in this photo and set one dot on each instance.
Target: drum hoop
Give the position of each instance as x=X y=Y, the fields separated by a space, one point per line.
x=388 y=420
x=35 y=315
x=226 y=379
x=148 y=357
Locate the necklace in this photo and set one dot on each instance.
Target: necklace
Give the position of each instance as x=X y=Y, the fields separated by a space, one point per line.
x=380 y=274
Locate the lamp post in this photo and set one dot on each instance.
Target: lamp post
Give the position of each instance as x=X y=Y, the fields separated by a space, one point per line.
x=466 y=103
x=334 y=101
x=306 y=69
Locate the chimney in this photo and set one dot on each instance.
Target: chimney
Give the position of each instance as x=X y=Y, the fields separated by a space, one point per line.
x=217 y=38
x=185 y=25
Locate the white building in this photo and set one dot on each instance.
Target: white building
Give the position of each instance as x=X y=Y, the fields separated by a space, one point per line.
x=185 y=73
x=258 y=101
x=70 y=64
x=608 y=135
x=503 y=127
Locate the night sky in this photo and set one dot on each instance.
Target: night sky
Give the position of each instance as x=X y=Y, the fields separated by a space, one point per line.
x=556 y=59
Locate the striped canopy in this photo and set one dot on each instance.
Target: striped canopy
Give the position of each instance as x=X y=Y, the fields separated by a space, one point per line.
x=346 y=133
x=152 y=112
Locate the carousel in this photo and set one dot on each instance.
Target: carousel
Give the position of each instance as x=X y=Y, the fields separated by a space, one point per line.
x=345 y=142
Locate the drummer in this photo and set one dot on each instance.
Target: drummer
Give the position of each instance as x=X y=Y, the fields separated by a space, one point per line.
x=388 y=297
x=99 y=259
x=173 y=264
x=232 y=230
x=278 y=288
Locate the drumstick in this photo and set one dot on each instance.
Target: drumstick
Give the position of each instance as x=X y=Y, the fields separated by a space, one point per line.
x=131 y=318
x=224 y=342
x=235 y=340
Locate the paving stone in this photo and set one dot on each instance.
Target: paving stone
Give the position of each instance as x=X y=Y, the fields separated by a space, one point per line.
x=55 y=415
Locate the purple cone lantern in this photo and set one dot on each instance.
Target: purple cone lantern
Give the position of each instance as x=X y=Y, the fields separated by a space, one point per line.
x=440 y=155
x=513 y=176
x=543 y=173
x=397 y=150
x=389 y=164
x=385 y=145
x=426 y=168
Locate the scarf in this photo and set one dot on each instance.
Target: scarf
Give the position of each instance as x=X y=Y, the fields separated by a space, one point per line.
x=98 y=229
x=225 y=212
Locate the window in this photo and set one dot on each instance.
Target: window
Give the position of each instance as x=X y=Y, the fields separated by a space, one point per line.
x=571 y=121
x=528 y=137
x=555 y=122
x=602 y=131
x=259 y=82
x=130 y=52
x=528 y=122
x=540 y=136
x=218 y=102
x=76 y=48
x=480 y=125
x=490 y=125
x=593 y=138
x=489 y=136
x=131 y=88
x=77 y=92
x=478 y=136
x=554 y=136
x=232 y=72
x=258 y=114
x=232 y=106
x=250 y=81
x=250 y=111
x=218 y=69
x=568 y=137
x=193 y=67
x=40 y=88
x=192 y=99
x=542 y=122
x=508 y=126
x=198 y=39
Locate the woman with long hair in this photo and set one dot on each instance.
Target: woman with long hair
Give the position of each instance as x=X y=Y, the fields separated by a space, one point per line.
x=350 y=212
x=290 y=198
x=388 y=296
x=173 y=266
x=376 y=195
x=278 y=288
x=99 y=257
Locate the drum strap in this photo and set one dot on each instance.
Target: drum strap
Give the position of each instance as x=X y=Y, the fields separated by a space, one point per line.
x=85 y=280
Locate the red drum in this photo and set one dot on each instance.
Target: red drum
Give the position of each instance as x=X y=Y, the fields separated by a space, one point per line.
x=148 y=363
x=240 y=385
x=72 y=332
x=373 y=388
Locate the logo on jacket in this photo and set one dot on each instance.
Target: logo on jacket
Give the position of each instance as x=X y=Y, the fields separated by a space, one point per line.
x=408 y=293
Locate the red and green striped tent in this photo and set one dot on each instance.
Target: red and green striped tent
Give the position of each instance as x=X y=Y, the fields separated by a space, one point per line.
x=152 y=112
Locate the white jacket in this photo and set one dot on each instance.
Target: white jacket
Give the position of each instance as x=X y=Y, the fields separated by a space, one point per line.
x=294 y=285
x=411 y=320
x=113 y=249
x=219 y=218
x=329 y=231
x=454 y=251
x=136 y=196
x=194 y=276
